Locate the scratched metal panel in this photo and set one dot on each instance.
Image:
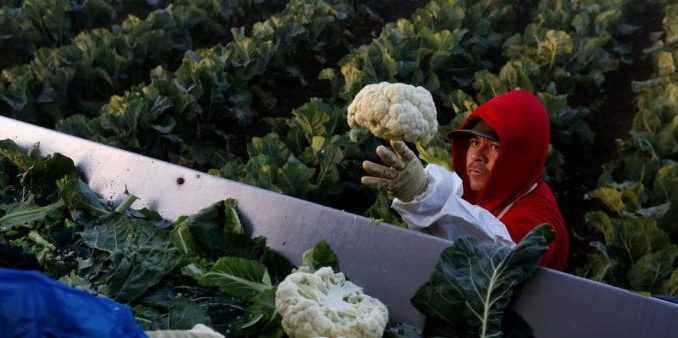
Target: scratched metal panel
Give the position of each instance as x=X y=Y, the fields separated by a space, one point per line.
x=389 y=262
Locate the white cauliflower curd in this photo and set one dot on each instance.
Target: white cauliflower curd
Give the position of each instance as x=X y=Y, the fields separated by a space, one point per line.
x=394 y=111
x=325 y=304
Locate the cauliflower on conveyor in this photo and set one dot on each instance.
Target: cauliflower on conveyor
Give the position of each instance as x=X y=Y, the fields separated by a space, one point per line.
x=325 y=304
x=395 y=111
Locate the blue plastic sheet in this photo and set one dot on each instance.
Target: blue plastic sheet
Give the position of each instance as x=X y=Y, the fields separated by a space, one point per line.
x=33 y=305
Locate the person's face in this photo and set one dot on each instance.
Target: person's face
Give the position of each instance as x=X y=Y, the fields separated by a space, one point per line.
x=482 y=153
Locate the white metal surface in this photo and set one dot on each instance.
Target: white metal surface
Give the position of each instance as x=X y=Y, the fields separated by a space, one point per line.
x=389 y=262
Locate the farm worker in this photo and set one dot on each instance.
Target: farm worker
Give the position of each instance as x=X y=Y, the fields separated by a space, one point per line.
x=495 y=191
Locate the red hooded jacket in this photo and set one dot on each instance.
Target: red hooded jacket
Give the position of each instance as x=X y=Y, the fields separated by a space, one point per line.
x=521 y=122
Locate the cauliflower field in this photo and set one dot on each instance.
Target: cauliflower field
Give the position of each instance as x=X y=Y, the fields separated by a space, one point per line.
x=259 y=91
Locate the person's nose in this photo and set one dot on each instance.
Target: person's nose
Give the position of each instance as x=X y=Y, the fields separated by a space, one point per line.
x=480 y=153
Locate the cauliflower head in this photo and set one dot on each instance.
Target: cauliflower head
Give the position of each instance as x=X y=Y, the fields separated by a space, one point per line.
x=395 y=111
x=325 y=304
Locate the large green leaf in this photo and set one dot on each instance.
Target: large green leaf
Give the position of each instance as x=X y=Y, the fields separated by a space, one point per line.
x=133 y=271
x=207 y=228
x=140 y=255
x=238 y=277
x=216 y=231
x=473 y=283
x=599 y=265
x=653 y=268
x=636 y=237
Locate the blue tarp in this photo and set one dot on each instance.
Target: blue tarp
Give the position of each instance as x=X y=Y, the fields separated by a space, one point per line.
x=33 y=305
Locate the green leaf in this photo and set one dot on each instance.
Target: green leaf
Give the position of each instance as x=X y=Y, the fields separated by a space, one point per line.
x=232 y=221
x=260 y=316
x=327 y=179
x=654 y=212
x=670 y=285
x=665 y=64
x=216 y=231
x=637 y=237
x=381 y=210
x=554 y=44
x=295 y=178
x=77 y=194
x=599 y=265
x=261 y=171
x=26 y=213
x=611 y=197
x=183 y=314
x=317 y=257
x=207 y=229
x=435 y=154
x=182 y=238
x=140 y=255
x=238 y=277
x=11 y=152
x=270 y=146
x=312 y=118
x=590 y=50
x=651 y=269
x=472 y=284
x=150 y=318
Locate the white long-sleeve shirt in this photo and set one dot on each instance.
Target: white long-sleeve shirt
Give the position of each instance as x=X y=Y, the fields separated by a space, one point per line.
x=440 y=211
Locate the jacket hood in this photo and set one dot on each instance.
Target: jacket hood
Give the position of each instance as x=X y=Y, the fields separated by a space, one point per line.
x=521 y=122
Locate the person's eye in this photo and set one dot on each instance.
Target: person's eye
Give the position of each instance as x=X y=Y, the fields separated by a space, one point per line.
x=495 y=146
x=474 y=142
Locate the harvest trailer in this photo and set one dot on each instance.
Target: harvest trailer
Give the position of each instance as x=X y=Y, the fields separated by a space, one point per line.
x=389 y=262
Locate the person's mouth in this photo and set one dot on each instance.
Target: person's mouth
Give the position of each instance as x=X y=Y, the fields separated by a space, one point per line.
x=474 y=171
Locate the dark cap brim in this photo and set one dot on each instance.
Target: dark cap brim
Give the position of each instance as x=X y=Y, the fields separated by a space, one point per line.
x=488 y=134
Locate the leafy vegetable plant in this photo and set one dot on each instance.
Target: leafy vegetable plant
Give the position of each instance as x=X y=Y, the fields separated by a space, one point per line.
x=472 y=284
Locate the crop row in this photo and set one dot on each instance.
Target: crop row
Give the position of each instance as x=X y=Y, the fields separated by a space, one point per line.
x=26 y=26
x=193 y=113
x=80 y=76
x=633 y=238
x=448 y=48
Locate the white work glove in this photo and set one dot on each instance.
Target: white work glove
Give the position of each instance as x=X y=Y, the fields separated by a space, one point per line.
x=403 y=176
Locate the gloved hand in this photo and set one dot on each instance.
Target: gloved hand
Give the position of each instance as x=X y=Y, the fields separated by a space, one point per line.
x=403 y=176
